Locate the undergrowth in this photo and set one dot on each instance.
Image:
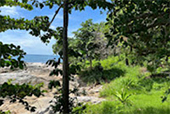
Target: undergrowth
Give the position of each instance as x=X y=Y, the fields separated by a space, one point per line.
x=104 y=70
x=128 y=91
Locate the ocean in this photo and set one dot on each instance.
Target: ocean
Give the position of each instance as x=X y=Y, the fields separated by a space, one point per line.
x=31 y=58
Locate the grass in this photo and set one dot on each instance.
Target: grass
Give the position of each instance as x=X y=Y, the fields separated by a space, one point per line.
x=112 y=107
x=130 y=91
x=145 y=103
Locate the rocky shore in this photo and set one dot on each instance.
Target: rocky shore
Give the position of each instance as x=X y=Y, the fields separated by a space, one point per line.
x=36 y=73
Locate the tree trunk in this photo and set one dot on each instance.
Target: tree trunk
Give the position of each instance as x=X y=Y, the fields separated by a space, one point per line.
x=127 y=62
x=65 y=89
x=166 y=58
x=90 y=63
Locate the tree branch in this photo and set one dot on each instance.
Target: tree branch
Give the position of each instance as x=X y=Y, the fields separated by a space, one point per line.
x=55 y=15
x=57 y=12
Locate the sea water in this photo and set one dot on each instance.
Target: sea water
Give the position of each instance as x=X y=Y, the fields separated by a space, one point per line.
x=31 y=58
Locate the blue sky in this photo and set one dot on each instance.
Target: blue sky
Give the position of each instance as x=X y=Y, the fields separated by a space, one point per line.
x=33 y=45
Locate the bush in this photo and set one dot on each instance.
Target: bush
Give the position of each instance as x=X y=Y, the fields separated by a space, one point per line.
x=102 y=71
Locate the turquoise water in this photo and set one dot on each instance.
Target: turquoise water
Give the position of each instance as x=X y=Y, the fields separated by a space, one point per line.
x=30 y=58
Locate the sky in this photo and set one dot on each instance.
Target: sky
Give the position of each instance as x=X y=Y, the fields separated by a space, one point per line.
x=33 y=45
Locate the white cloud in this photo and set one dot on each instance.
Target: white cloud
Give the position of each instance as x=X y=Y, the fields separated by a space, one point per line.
x=52 y=27
x=12 y=11
x=30 y=44
x=71 y=30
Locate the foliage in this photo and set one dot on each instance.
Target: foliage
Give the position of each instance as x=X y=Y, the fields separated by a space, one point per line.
x=164 y=98
x=53 y=83
x=74 y=106
x=19 y=92
x=8 y=51
x=135 y=82
x=58 y=107
x=106 y=70
x=79 y=109
x=100 y=74
x=123 y=97
x=88 y=43
x=106 y=107
x=74 y=4
x=142 y=27
x=146 y=95
x=37 y=26
x=140 y=107
x=7 y=112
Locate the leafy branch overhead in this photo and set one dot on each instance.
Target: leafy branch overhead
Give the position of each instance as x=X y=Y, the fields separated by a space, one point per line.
x=17 y=92
x=42 y=23
x=142 y=26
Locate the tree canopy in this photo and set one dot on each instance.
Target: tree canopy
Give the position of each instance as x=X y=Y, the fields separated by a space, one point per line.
x=142 y=26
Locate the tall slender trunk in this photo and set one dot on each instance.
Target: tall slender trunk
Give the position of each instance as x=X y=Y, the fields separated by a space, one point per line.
x=65 y=89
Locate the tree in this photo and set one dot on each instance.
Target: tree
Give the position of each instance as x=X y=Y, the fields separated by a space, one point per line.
x=142 y=26
x=90 y=41
x=85 y=37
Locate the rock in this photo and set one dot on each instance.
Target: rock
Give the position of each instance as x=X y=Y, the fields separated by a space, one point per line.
x=22 y=78
x=92 y=99
x=42 y=106
x=95 y=89
x=74 y=83
x=37 y=73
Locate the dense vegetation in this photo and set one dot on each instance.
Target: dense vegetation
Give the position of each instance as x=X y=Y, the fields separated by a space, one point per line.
x=129 y=54
x=131 y=91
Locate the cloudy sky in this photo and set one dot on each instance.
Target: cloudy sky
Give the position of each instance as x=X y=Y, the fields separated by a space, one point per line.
x=33 y=45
